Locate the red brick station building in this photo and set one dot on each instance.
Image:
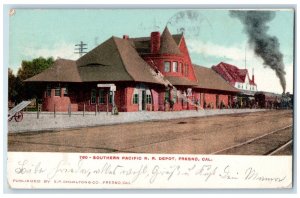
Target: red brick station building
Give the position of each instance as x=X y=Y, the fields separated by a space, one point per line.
x=134 y=74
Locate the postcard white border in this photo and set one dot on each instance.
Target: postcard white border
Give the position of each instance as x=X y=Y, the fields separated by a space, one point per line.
x=28 y=170
x=214 y=192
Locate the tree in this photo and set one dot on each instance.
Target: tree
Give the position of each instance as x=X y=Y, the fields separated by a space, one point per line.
x=34 y=67
x=27 y=70
x=12 y=92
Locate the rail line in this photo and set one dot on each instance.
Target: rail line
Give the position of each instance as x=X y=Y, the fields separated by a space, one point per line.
x=256 y=139
x=280 y=148
x=193 y=135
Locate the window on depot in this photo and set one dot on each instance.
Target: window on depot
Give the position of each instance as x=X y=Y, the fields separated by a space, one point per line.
x=180 y=67
x=186 y=69
x=101 y=96
x=135 y=98
x=175 y=66
x=57 y=91
x=167 y=66
x=66 y=91
x=93 y=96
x=48 y=90
x=148 y=94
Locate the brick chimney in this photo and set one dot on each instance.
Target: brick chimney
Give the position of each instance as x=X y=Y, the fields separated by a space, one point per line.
x=125 y=37
x=155 y=42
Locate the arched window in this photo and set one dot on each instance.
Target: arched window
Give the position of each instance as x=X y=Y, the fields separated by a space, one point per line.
x=135 y=97
x=101 y=96
x=93 y=96
x=148 y=94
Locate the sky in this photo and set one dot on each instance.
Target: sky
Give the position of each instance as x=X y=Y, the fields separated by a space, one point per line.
x=212 y=36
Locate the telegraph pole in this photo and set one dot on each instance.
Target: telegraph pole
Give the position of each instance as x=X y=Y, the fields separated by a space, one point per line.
x=81 y=47
x=245 y=58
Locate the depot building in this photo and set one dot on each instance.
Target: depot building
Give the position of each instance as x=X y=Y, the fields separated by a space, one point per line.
x=153 y=73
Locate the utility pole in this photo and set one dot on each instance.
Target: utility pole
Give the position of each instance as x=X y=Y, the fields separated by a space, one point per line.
x=81 y=48
x=245 y=57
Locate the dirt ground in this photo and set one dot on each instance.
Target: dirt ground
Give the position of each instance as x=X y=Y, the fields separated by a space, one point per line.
x=203 y=135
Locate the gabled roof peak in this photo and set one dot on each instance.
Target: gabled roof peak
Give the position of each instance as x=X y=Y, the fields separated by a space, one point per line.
x=166 y=30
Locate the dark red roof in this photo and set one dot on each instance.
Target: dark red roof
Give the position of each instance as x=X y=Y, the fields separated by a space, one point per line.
x=232 y=73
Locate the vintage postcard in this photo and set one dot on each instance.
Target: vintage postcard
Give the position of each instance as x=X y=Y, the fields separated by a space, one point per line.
x=150 y=98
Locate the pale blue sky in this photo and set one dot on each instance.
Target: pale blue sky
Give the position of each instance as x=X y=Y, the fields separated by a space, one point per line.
x=212 y=35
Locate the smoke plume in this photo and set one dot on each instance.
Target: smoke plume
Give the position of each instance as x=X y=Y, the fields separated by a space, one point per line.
x=265 y=46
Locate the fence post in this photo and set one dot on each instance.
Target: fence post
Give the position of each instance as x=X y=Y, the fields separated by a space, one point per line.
x=96 y=110
x=69 y=109
x=83 y=109
x=38 y=111
x=54 y=111
x=107 y=98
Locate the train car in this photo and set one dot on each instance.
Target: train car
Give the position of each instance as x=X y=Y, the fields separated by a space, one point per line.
x=268 y=100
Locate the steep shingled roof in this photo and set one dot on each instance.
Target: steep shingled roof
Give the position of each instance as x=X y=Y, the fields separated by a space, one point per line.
x=209 y=79
x=177 y=38
x=142 y=44
x=114 y=60
x=134 y=64
x=103 y=63
x=183 y=81
x=62 y=70
x=168 y=44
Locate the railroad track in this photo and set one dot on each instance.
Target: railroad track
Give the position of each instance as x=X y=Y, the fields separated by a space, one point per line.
x=271 y=143
x=235 y=149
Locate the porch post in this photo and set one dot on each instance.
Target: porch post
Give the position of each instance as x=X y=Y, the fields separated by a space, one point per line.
x=113 y=90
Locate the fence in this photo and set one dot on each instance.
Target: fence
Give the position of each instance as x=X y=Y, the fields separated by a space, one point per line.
x=69 y=111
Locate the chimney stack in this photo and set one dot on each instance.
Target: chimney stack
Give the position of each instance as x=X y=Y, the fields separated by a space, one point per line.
x=125 y=37
x=155 y=42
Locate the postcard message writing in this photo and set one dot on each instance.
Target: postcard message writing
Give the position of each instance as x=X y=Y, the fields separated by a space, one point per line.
x=125 y=171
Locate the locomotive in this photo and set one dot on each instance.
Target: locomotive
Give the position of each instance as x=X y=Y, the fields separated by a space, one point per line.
x=273 y=101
